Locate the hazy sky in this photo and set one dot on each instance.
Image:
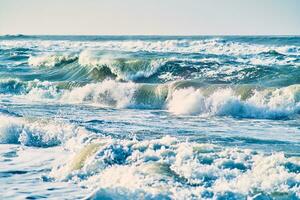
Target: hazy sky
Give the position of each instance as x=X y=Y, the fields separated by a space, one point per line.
x=172 y=17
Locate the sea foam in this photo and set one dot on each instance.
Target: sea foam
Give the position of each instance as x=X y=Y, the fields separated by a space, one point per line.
x=126 y=169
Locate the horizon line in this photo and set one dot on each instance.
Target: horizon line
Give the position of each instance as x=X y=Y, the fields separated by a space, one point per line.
x=175 y=35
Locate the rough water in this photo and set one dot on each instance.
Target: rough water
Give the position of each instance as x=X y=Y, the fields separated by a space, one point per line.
x=149 y=117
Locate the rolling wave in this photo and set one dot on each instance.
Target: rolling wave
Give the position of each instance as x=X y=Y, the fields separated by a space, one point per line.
x=101 y=65
x=91 y=65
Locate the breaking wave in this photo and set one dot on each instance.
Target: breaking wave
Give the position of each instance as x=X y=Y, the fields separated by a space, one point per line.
x=242 y=102
x=179 y=98
x=34 y=132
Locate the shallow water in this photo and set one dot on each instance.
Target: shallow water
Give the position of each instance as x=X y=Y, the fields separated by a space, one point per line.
x=154 y=117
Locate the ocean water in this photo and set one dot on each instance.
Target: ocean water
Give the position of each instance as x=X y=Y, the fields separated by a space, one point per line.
x=149 y=117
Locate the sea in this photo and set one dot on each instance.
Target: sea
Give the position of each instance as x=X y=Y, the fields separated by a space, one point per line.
x=149 y=117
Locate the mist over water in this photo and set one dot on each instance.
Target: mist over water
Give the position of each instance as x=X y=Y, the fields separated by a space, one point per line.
x=150 y=117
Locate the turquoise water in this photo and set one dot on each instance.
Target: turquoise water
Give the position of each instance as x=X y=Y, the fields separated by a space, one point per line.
x=149 y=117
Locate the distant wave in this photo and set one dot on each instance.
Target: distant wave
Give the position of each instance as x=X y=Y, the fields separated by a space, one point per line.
x=16 y=36
x=207 y=46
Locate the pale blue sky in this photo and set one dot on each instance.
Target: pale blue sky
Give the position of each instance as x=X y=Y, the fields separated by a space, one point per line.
x=168 y=17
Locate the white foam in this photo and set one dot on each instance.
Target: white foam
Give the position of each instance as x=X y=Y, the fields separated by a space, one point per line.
x=174 y=169
x=41 y=90
x=187 y=101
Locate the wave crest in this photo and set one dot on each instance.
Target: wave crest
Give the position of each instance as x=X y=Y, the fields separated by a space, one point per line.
x=121 y=65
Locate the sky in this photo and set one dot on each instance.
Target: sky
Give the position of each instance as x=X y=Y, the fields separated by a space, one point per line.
x=150 y=17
